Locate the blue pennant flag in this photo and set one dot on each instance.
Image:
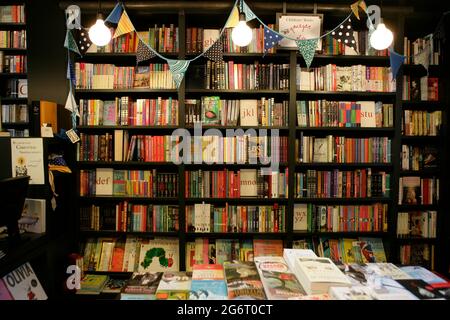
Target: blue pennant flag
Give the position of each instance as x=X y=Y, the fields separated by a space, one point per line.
x=115 y=14
x=71 y=73
x=249 y=15
x=271 y=38
x=396 y=62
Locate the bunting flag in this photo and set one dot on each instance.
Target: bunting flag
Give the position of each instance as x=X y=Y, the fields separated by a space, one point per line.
x=124 y=26
x=344 y=34
x=71 y=73
x=178 y=68
x=143 y=52
x=234 y=18
x=396 y=62
x=355 y=7
x=271 y=38
x=423 y=57
x=215 y=52
x=249 y=15
x=71 y=104
x=70 y=42
x=83 y=40
x=307 y=48
x=115 y=14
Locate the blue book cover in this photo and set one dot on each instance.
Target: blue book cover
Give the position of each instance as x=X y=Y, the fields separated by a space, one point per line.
x=208 y=290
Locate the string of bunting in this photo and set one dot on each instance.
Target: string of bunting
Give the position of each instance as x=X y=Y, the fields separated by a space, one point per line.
x=343 y=33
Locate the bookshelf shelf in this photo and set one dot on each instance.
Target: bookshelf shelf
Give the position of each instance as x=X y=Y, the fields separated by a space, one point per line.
x=335 y=130
x=127 y=198
x=205 y=127
x=14 y=100
x=14 y=50
x=117 y=92
x=237 y=235
x=344 y=201
x=421 y=139
x=349 y=94
x=257 y=201
x=15 y=124
x=238 y=91
x=13 y=25
x=416 y=240
x=421 y=173
x=13 y=75
x=417 y=207
x=103 y=233
x=133 y=128
x=344 y=165
x=298 y=234
x=351 y=59
x=114 y=164
x=422 y=105
x=231 y=165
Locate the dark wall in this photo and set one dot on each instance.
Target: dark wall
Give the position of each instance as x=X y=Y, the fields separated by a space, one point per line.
x=47 y=57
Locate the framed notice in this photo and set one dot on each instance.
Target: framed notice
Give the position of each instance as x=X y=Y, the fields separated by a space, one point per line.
x=27 y=159
x=300 y=26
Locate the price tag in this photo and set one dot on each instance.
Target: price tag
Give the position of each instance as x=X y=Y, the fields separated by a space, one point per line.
x=72 y=136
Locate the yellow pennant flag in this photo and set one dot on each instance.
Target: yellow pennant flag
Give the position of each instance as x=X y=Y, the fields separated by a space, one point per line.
x=362 y=5
x=234 y=18
x=355 y=9
x=124 y=26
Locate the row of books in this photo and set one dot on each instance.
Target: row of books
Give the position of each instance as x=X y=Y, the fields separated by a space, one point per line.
x=364 y=114
x=229 y=75
x=358 y=78
x=126 y=112
x=330 y=46
x=421 y=123
x=209 y=218
x=14 y=113
x=315 y=218
x=215 y=111
x=15 y=88
x=129 y=217
x=342 y=184
x=333 y=149
x=416 y=158
x=95 y=147
x=109 y=76
x=420 y=88
x=255 y=46
x=134 y=183
x=13 y=39
x=13 y=63
x=12 y=14
x=412 y=49
x=416 y=224
x=17 y=133
x=421 y=254
x=418 y=191
x=236 y=184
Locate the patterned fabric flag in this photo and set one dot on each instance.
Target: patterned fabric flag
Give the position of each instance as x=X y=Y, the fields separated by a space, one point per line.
x=124 y=26
x=271 y=38
x=307 y=48
x=143 y=52
x=233 y=19
x=355 y=7
x=423 y=57
x=249 y=15
x=215 y=52
x=71 y=104
x=396 y=62
x=344 y=34
x=70 y=42
x=71 y=73
x=178 y=68
x=115 y=14
x=83 y=40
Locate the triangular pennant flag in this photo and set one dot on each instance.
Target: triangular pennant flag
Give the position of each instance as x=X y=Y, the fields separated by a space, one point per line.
x=83 y=40
x=355 y=9
x=70 y=42
x=71 y=73
x=178 y=68
x=423 y=57
x=396 y=62
x=71 y=104
x=271 y=38
x=143 y=52
x=362 y=5
x=215 y=52
x=249 y=15
x=307 y=48
x=344 y=34
x=124 y=26
x=234 y=18
x=115 y=14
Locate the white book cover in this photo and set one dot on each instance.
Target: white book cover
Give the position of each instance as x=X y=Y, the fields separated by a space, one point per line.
x=249 y=186
x=388 y=270
x=290 y=255
x=368 y=117
x=27 y=159
x=118 y=145
x=320 y=150
x=104 y=182
x=33 y=216
x=301 y=217
x=202 y=217
x=209 y=37
x=159 y=255
x=23 y=284
x=249 y=113
x=351 y=293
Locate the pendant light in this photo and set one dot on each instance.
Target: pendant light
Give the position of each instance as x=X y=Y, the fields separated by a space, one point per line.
x=241 y=34
x=99 y=34
x=382 y=37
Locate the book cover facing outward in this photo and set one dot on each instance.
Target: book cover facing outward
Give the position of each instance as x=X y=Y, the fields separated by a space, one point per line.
x=159 y=254
x=174 y=286
x=33 y=216
x=208 y=283
x=27 y=159
x=141 y=286
x=23 y=284
x=243 y=281
x=268 y=247
x=371 y=249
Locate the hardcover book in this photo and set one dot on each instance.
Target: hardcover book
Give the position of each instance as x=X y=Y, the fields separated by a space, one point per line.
x=372 y=250
x=33 y=216
x=420 y=273
x=141 y=286
x=410 y=190
x=142 y=77
x=243 y=281
x=268 y=247
x=249 y=185
x=249 y=113
x=368 y=116
x=301 y=217
x=104 y=182
x=174 y=286
x=23 y=284
x=211 y=110
x=421 y=289
x=92 y=284
x=159 y=255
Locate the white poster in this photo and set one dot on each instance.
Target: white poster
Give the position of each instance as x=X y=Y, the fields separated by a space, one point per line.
x=300 y=27
x=27 y=159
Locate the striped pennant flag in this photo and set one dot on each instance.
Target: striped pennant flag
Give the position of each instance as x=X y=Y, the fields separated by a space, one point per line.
x=124 y=26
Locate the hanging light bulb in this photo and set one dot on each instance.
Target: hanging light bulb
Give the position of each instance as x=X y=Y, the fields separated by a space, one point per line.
x=99 y=34
x=241 y=34
x=382 y=37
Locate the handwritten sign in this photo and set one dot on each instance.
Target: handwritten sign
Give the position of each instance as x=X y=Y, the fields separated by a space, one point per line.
x=300 y=27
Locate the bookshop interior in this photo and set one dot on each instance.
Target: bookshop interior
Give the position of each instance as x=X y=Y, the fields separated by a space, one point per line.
x=224 y=150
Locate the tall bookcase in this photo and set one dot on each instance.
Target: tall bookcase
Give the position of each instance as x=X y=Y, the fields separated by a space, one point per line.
x=20 y=121
x=292 y=131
